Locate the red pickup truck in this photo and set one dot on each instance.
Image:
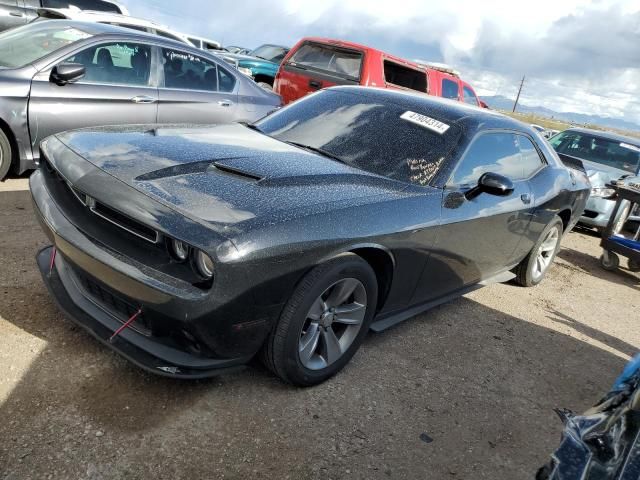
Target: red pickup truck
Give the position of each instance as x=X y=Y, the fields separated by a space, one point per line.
x=315 y=63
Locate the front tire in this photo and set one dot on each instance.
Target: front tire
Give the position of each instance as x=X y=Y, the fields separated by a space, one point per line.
x=324 y=322
x=532 y=270
x=5 y=155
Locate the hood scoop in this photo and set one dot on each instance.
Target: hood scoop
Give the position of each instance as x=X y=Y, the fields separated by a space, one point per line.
x=198 y=167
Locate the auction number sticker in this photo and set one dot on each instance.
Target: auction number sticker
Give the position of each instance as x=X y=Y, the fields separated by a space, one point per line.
x=425 y=122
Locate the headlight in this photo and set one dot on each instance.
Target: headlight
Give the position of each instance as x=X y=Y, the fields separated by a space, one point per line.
x=179 y=250
x=204 y=264
x=602 y=192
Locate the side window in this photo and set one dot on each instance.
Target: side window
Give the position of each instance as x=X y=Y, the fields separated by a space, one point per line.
x=120 y=63
x=226 y=81
x=405 y=77
x=449 y=89
x=168 y=35
x=469 y=96
x=531 y=161
x=189 y=72
x=492 y=152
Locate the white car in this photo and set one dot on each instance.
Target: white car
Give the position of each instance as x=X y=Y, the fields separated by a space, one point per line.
x=126 y=21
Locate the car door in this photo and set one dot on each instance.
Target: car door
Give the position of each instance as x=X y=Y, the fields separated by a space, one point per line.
x=118 y=88
x=195 y=90
x=478 y=237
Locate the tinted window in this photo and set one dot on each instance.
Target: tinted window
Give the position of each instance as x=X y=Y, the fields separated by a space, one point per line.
x=189 y=72
x=169 y=35
x=195 y=42
x=449 y=89
x=469 y=96
x=341 y=62
x=404 y=76
x=621 y=155
x=118 y=63
x=97 y=5
x=494 y=152
x=226 y=81
x=23 y=45
x=364 y=134
x=531 y=160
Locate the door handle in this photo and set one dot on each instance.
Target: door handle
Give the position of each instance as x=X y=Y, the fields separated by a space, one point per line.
x=225 y=103
x=16 y=14
x=526 y=198
x=143 y=99
x=315 y=84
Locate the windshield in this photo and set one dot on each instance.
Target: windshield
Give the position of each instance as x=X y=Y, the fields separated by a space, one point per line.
x=612 y=153
x=378 y=137
x=24 y=45
x=270 y=52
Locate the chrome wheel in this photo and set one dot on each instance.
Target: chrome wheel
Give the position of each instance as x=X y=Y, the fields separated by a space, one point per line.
x=332 y=323
x=545 y=253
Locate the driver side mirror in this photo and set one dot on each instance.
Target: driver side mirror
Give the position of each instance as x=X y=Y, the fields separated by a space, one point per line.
x=492 y=184
x=67 y=73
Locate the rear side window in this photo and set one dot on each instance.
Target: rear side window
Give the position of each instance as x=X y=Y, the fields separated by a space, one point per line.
x=531 y=161
x=405 y=77
x=469 y=96
x=336 y=61
x=190 y=72
x=449 y=89
x=96 y=5
x=493 y=152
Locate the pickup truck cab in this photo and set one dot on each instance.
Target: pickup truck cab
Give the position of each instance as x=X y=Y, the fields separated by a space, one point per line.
x=315 y=63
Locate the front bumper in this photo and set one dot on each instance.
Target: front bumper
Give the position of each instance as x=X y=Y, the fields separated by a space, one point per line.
x=597 y=212
x=214 y=329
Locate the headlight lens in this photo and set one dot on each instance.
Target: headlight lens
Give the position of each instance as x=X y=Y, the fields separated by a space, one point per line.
x=204 y=264
x=179 y=250
x=602 y=192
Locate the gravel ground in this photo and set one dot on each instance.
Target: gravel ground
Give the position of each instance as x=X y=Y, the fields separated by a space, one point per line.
x=465 y=391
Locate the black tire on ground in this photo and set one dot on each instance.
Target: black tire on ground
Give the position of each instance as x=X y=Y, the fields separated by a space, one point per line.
x=525 y=270
x=611 y=263
x=5 y=155
x=634 y=265
x=281 y=350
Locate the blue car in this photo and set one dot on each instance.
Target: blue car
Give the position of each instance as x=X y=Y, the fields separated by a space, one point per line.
x=261 y=64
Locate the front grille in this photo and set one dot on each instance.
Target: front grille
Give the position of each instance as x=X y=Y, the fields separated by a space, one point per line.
x=590 y=214
x=122 y=309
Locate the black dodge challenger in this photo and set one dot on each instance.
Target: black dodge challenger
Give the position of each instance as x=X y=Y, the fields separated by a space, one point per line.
x=191 y=249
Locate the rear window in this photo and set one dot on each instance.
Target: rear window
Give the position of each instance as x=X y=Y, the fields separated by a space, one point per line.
x=380 y=137
x=336 y=61
x=405 y=77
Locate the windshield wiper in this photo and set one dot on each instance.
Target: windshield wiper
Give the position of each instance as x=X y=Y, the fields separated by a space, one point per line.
x=317 y=150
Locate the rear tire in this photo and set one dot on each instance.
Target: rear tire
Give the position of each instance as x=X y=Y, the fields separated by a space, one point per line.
x=307 y=319
x=634 y=265
x=532 y=270
x=5 y=155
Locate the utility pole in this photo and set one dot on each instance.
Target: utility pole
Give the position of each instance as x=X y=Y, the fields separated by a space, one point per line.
x=518 y=97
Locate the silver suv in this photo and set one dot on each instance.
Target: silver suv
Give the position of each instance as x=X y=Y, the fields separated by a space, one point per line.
x=59 y=75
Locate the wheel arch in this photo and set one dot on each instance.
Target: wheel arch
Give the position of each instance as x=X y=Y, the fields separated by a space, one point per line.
x=383 y=263
x=15 y=154
x=262 y=77
x=565 y=216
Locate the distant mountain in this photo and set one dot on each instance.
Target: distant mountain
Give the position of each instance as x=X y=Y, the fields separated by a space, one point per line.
x=499 y=102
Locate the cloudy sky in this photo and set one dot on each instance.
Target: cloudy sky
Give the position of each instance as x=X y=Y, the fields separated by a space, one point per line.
x=578 y=55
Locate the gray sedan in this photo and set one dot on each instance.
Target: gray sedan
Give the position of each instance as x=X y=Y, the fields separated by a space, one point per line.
x=59 y=75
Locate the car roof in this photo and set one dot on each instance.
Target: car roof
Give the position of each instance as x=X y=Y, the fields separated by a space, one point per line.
x=616 y=137
x=95 y=16
x=472 y=118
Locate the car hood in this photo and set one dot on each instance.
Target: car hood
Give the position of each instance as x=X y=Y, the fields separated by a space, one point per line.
x=226 y=175
x=600 y=175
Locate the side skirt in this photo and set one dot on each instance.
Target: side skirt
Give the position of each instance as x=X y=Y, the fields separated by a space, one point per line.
x=388 y=321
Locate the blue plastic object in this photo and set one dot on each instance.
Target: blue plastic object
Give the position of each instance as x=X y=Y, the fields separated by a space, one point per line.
x=629 y=371
x=634 y=244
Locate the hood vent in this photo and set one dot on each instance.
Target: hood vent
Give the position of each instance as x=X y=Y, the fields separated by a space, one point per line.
x=237 y=171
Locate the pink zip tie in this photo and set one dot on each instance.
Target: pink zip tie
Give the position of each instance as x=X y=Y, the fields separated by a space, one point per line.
x=52 y=260
x=126 y=324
